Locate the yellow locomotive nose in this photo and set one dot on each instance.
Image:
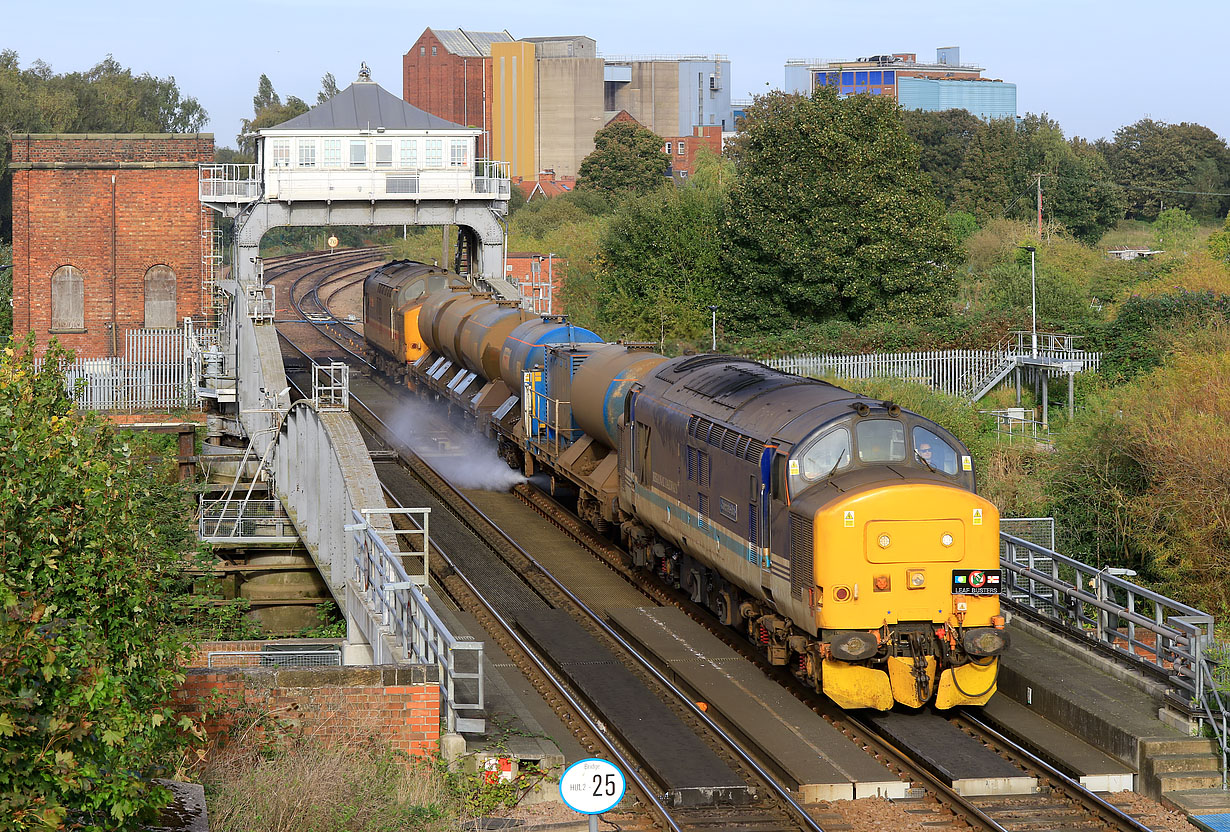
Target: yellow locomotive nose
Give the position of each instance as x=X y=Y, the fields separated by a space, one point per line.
x=925 y=550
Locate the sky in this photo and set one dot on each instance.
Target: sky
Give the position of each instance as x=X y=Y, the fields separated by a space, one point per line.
x=1093 y=66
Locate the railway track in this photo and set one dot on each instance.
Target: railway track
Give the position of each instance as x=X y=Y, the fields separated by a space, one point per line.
x=1060 y=804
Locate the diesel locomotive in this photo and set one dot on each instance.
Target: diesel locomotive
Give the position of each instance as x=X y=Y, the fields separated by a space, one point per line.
x=842 y=534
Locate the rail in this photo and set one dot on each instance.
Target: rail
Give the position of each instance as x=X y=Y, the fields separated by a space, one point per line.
x=1141 y=626
x=400 y=607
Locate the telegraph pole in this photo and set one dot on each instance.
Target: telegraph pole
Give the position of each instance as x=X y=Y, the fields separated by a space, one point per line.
x=1039 y=207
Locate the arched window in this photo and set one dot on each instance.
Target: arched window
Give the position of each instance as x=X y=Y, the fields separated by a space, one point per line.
x=67 y=299
x=160 y=298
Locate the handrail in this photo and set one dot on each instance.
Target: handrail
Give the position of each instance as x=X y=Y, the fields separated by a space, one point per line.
x=1103 y=607
x=400 y=607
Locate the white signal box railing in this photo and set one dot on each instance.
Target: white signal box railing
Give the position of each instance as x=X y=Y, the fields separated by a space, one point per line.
x=331 y=386
x=228 y=183
x=238 y=184
x=381 y=578
x=1138 y=624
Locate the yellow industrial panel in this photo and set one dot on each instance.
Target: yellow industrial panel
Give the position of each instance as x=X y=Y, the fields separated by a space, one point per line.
x=514 y=107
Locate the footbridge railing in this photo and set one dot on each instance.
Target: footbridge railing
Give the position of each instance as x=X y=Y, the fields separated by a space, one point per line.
x=393 y=593
x=1157 y=633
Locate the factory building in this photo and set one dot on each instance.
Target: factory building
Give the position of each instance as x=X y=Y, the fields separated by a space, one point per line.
x=943 y=84
x=540 y=100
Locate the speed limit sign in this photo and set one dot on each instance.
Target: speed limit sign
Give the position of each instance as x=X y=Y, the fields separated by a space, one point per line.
x=592 y=786
x=332 y=242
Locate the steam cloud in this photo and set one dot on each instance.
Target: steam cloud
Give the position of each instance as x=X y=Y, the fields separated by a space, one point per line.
x=464 y=457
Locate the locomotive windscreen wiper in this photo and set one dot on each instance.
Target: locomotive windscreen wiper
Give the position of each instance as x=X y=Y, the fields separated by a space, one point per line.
x=919 y=456
x=840 y=457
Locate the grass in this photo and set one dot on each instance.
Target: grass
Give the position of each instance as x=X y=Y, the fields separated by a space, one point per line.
x=307 y=785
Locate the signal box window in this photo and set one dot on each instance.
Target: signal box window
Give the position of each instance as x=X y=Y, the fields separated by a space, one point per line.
x=409 y=153
x=384 y=154
x=459 y=153
x=934 y=451
x=307 y=153
x=67 y=300
x=279 y=153
x=358 y=153
x=880 y=440
x=435 y=153
x=333 y=153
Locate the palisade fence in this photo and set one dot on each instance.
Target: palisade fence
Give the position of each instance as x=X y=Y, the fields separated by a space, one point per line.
x=951 y=371
x=152 y=375
x=956 y=372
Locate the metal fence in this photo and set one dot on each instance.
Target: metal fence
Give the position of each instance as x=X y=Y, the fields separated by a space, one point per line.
x=152 y=375
x=236 y=517
x=401 y=609
x=956 y=372
x=1037 y=530
x=1141 y=626
x=325 y=657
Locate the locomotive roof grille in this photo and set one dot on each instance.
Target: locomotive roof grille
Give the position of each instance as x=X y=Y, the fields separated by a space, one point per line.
x=730 y=441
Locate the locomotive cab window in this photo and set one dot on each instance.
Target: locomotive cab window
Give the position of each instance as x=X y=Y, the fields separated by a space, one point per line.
x=820 y=458
x=931 y=451
x=880 y=440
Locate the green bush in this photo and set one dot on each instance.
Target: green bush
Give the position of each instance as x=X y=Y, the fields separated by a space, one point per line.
x=90 y=554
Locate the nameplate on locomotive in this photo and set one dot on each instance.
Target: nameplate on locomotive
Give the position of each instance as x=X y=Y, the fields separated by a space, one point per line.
x=975 y=581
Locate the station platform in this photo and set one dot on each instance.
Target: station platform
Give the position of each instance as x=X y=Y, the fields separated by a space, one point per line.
x=964 y=763
x=1092 y=768
x=691 y=772
x=1076 y=690
x=814 y=757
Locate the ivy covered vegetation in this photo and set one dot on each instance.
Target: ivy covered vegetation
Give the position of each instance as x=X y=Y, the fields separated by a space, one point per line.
x=92 y=541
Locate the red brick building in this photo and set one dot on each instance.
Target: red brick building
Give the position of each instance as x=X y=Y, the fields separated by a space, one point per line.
x=447 y=72
x=538 y=275
x=108 y=235
x=545 y=186
x=683 y=149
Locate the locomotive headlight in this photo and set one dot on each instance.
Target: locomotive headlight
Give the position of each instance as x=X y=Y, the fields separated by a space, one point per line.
x=884 y=541
x=916 y=578
x=984 y=641
x=946 y=539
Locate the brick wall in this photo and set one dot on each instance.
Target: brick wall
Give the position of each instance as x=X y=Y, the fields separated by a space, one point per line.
x=399 y=704
x=453 y=87
x=112 y=206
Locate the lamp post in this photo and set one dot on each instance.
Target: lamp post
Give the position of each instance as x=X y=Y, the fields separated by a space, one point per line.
x=713 y=311
x=1033 y=291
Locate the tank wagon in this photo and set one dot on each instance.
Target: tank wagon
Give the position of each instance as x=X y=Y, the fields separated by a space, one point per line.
x=842 y=534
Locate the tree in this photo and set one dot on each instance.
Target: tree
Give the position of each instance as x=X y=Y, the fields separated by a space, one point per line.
x=1004 y=161
x=6 y=292
x=830 y=215
x=107 y=98
x=1175 y=231
x=659 y=265
x=90 y=546
x=328 y=88
x=627 y=158
x=943 y=138
x=267 y=111
x=1157 y=162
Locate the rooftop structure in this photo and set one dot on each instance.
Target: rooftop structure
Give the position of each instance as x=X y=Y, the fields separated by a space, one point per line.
x=942 y=84
x=539 y=100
